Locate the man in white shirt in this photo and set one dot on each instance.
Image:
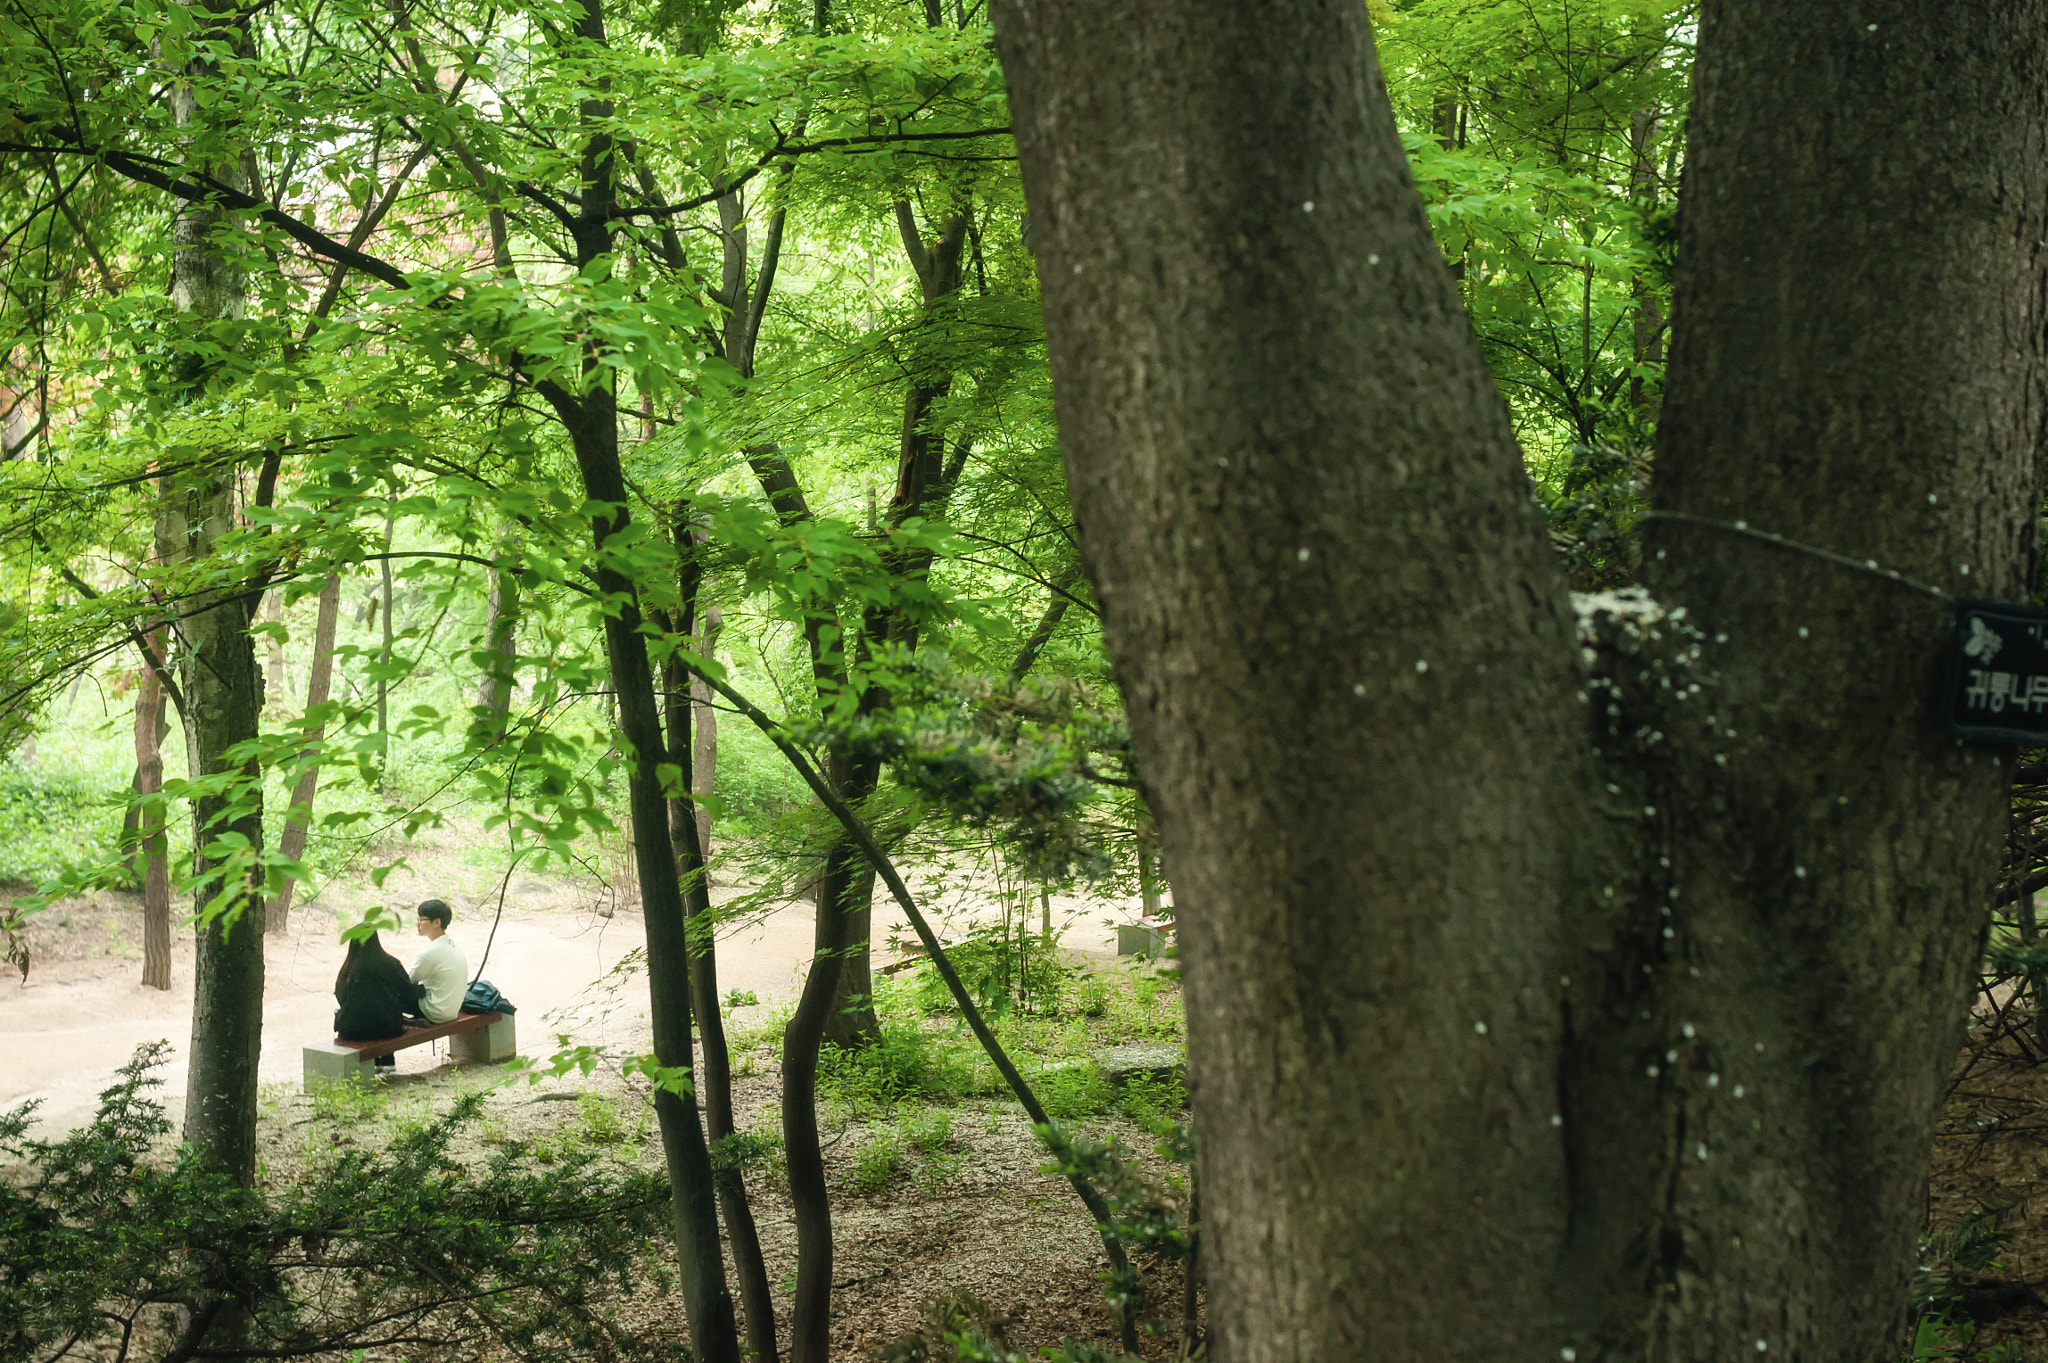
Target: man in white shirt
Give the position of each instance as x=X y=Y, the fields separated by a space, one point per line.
x=441 y=972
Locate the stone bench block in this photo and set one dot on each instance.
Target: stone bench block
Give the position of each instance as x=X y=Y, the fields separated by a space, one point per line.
x=488 y=1045
x=331 y=1064
x=1160 y=1063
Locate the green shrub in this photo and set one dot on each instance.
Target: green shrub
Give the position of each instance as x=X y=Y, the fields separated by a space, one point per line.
x=908 y=1062
x=1091 y=996
x=1149 y=1101
x=1002 y=965
x=61 y=814
x=927 y=1132
x=755 y=784
x=348 y=1101
x=106 y=1229
x=599 y=1118
x=1070 y=1092
x=876 y=1163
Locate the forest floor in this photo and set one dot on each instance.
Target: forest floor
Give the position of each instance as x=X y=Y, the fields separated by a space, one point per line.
x=927 y=1199
x=1986 y=1206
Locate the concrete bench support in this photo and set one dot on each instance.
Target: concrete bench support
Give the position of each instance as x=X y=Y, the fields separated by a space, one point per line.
x=1140 y=939
x=331 y=1064
x=487 y=1045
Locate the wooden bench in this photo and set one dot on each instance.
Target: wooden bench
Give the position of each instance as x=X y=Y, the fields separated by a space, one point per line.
x=485 y=1037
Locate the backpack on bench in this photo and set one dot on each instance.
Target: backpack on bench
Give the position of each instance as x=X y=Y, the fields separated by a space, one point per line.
x=483 y=997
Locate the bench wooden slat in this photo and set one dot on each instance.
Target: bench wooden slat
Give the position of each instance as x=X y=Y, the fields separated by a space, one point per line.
x=455 y=1026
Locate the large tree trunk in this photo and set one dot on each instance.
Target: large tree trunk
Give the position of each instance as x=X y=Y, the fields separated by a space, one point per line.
x=150 y=849
x=1861 y=365
x=223 y=688
x=1294 y=481
x=298 y=817
x=1478 y=1077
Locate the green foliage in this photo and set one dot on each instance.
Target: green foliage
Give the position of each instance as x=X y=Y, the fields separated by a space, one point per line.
x=1151 y=1101
x=906 y=1063
x=876 y=1163
x=1072 y=1091
x=348 y=1101
x=1545 y=138
x=57 y=814
x=1003 y=964
x=378 y=1247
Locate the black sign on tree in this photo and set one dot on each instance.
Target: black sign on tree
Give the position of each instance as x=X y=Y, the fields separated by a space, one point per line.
x=1996 y=685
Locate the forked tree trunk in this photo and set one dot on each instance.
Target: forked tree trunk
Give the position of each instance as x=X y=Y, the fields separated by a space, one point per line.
x=298 y=818
x=757 y=1302
x=591 y=420
x=1458 y=1100
x=1860 y=364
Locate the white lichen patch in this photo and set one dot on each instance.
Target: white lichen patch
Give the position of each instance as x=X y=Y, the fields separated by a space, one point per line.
x=1632 y=606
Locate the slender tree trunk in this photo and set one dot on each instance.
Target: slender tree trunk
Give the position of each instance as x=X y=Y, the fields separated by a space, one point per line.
x=846 y=871
x=501 y=645
x=704 y=749
x=223 y=698
x=924 y=480
x=592 y=422
x=713 y=1333
x=150 y=850
x=756 y=1300
x=1647 y=327
x=1042 y=632
x=384 y=654
x=1654 y=1083
x=298 y=818
x=273 y=686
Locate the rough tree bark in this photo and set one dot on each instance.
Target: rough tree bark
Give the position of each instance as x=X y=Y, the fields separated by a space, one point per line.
x=1456 y=1101
x=1860 y=363
x=291 y=843
x=223 y=687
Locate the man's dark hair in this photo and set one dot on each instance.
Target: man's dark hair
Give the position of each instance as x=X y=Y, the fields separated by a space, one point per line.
x=438 y=911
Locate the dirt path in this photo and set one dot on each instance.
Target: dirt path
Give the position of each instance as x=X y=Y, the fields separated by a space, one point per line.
x=555 y=954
